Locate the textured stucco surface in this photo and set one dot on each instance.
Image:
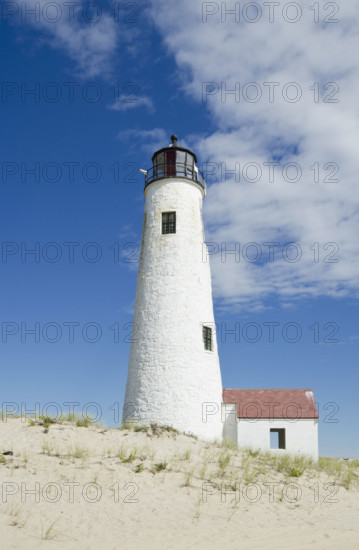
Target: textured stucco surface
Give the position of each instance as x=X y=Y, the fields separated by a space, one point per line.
x=171 y=376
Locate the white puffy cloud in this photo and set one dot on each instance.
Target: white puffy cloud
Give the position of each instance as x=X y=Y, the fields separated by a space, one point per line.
x=123 y=103
x=88 y=38
x=305 y=132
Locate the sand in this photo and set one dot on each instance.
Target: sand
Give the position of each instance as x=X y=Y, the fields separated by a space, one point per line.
x=81 y=488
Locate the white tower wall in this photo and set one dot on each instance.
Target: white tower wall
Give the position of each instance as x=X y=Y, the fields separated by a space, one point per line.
x=172 y=380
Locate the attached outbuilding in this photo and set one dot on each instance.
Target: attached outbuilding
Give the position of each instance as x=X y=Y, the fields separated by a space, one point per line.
x=276 y=420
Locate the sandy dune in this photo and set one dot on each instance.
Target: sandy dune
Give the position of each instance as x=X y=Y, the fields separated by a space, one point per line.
x=83 y=488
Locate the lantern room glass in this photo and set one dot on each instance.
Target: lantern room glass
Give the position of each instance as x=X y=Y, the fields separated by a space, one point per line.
x=173 y=162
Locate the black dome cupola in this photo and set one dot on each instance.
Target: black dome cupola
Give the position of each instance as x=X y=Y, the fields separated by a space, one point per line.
x=174 y=162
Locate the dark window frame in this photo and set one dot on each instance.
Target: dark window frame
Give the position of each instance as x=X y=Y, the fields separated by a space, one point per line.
x=281 y=438
x=168 y=223
x=207 y=338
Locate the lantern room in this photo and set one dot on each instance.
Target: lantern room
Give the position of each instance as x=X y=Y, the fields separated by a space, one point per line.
x=174 y=162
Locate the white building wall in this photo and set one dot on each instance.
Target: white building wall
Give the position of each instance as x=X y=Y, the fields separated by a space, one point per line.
x=301 y=436
x=229 y=421
x=170 y=375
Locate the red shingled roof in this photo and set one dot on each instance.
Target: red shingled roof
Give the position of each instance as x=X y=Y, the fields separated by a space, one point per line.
x=272 y=403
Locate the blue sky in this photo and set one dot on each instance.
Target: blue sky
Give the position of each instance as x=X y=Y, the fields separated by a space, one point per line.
x=162 y=68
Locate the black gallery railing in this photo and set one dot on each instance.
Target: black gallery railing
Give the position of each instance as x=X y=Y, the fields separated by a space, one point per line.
x=173 y=170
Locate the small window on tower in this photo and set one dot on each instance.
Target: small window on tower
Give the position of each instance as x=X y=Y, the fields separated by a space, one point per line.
x=207 y=338
x=168 y=222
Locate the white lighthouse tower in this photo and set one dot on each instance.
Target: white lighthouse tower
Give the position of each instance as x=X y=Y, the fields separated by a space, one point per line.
x=173 y=373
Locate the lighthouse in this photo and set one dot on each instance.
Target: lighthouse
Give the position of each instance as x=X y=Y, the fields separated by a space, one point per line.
x=174 y=375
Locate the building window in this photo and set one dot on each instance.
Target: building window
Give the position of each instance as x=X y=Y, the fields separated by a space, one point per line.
x=168 y=222
x=277 y=438
x=207 y=338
